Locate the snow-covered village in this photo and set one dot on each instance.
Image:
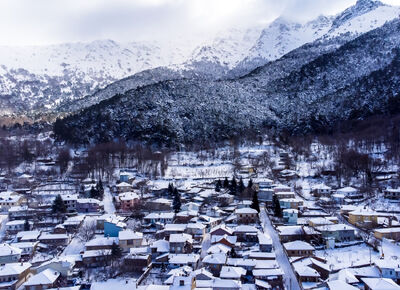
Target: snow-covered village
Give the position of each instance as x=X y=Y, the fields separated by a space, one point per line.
x=249 y=215
x=200 y=144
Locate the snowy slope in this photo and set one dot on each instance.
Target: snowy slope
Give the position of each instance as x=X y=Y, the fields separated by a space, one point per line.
x=228 y=48
x=101 y=57
x=283 y=36
x=49 y=78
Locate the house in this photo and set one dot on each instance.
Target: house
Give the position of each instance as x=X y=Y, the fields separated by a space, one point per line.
x=221 y=230
x=112 y=227
x=101 y=243
x=9 y=254
x=16 y=226
x=306 y=274
x=210 y=222
x=183 y=283
x=299 y=249
x=54 y=240
x=235 y=273
x=225 y=198
x=389 y=268
x=43 y=280
x=180 y=243
x=123 y=187
x=219 y=284
x=246 y=233
x=159 y=247
x=136 y=263
x=321 y=190
x=350 y=192
x=10 y=199
x=28 y=236
x=181 y=260
x=290 y=233
x=202 y=274
x=111 y=218
x=70 y=201
x=290 y=216
x=184 y=217
x=261 y=256
x=229 y=241
x=282 y=188
x=219 y=248
x=243 y=204
x=379 y=284
x=129 y=239
x=248 y=264
x=293 y=203
x=28 y=248
x=63 y=265
x=128 y=200
x=363 y=218
x=20 y=212
x=264 y=242
x=197 y=230
x=159 y=204
x=171 y=229
x=87 y=205
x=387 y=233
x=340 y=232
x=125 y=176
x=285 y=194
x=273 y=276
x=12 y=275
x=246 y=215
x=159 y=218
x=319 y=221
x=96 y=258
x=391 y=193
x=71 y=224
x=215 y=262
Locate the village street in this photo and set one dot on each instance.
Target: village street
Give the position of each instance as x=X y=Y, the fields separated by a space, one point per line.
x=109 y=206
x=290 y=279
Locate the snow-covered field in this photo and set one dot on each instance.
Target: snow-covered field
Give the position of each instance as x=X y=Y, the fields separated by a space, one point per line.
x=353 y=256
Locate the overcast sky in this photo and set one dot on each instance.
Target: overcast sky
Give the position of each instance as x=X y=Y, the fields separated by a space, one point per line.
x=37 y=22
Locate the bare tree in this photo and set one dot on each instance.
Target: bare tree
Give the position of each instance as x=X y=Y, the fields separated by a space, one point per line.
x=87 y=230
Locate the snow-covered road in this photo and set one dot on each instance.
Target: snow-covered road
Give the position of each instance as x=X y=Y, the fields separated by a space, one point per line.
x=290 y=280
x=109 y=206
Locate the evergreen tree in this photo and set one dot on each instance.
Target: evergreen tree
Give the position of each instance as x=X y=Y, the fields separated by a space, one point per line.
x=27 y=226
x=233 y=253
x=233 y=185
x=94 y=192
x=116 y=251
x=250 y=184
x=100 y=189
x=277 y=206
x=241 y=185
x=255 y=204
x=176 y=204
x=218 y=185
x=59 y=205
x=226 y=182
x=170 y=189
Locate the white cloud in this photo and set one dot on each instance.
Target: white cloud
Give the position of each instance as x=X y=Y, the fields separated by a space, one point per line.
x=53 y=21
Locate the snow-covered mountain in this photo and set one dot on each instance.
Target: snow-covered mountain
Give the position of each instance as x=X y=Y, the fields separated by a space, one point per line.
x=72 y=76
x=357 y=79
